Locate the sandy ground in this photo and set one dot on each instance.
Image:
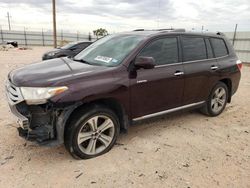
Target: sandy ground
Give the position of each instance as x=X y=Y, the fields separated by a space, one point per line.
x=184 y=150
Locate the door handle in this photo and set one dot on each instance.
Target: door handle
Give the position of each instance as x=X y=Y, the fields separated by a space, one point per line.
x=178 y=73
x=213 y=67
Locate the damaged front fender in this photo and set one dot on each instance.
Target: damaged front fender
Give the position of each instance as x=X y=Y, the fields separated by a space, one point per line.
x=46 y=123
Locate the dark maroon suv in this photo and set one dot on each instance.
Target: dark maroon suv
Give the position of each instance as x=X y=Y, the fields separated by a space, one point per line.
x=86 y=101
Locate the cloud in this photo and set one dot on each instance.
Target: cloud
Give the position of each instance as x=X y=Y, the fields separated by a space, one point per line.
x=129 y=14
x=146 y=9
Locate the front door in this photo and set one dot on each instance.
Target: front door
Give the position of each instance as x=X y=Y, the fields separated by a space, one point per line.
x=161 y=88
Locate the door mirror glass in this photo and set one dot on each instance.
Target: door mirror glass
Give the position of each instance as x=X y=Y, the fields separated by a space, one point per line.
x=145 y=62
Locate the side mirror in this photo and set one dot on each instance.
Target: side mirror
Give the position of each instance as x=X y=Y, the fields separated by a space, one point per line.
x=145 y=62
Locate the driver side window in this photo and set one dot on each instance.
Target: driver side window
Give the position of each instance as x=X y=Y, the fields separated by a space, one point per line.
x=164 y=51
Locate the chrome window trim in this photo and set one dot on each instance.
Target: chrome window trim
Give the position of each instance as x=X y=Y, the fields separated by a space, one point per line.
x=186 y=62
x=168 y=111
x=166 y=65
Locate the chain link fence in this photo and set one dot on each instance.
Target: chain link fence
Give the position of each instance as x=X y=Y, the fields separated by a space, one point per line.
x=240 y=40
x=42 y=38
x=241 y=43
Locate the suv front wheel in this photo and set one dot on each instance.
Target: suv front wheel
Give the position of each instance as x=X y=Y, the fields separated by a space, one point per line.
x=217 y=100
x=91 y=132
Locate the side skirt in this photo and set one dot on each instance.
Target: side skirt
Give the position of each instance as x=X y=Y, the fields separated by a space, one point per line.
x=168 y=111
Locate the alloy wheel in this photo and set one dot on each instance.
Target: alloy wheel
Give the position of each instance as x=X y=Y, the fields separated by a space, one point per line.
x=218 y=99
x=96 y=134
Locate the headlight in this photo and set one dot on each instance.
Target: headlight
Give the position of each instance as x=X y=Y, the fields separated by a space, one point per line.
x=39 y=95
x=51 y=54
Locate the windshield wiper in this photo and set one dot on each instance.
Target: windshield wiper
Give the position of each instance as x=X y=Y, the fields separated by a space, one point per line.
x=86 y=62
x=82 y=61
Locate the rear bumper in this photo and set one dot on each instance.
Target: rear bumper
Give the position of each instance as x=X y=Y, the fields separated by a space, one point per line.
x=235 y=82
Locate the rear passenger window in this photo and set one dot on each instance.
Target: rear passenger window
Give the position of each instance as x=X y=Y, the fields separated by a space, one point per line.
x=209 y=49
x=164 y=51
x=219 y=47
x=194 y=48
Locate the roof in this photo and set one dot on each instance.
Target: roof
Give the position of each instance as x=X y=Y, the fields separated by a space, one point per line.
x=157 y=32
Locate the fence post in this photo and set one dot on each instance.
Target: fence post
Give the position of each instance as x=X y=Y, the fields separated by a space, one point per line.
x=235 y=30
x=25 y=37
x=77 y=36
x=2 y=34
x=43 y=38
x=90 y=38
x=61 y=35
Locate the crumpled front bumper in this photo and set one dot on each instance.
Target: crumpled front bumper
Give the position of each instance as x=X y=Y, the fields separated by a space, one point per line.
x=14 y=97
x=36 y=122
x=22 y=121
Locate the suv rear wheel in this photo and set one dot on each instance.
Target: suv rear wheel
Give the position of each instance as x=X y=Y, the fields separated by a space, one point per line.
x=92 y=132
x=217 y=100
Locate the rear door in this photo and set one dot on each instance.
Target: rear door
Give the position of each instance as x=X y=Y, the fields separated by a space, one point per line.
x=160 y=88
x=199 y=68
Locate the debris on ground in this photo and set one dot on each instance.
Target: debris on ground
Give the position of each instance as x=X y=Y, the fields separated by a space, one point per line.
x=79 y=175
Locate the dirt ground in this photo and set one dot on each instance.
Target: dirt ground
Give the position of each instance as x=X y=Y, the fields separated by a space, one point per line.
x=183 y=150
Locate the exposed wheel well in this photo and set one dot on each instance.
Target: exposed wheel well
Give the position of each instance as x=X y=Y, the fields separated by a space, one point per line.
x=110 y=103
x=228 y=83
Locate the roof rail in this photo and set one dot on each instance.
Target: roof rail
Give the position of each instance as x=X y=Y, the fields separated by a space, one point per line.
x=168 y=29
x=172 y=30
x=139 y=30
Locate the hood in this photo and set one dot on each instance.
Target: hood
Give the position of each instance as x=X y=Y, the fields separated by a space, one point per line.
x=48 y=73
x=54 y=51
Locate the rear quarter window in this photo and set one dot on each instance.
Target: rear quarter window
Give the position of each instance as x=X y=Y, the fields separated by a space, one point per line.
x=219 y=47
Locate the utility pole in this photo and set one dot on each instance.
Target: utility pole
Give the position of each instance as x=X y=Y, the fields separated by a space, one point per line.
x=54 y=22
x=158 y=15
x=8 y=16
x=235 y=30
x=1 y=33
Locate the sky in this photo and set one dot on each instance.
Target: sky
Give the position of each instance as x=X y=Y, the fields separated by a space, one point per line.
x=125 y=15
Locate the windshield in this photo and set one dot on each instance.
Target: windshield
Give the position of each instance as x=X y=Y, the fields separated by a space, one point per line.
x=69 y=45
x=109 y=50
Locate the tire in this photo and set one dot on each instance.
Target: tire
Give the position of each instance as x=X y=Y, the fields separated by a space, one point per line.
x=91 y=132
x=218 y=97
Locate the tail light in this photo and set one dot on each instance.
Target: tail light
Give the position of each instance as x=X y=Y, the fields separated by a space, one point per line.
x=239 y=64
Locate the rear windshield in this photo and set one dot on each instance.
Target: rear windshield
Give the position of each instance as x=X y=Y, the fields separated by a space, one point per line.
x=109 y=50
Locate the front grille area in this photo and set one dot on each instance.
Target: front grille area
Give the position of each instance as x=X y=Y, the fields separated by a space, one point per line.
x=13 y=93
x=15 y=97
x=37 y=122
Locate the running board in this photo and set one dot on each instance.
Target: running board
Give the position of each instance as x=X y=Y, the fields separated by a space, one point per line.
x=168 y=111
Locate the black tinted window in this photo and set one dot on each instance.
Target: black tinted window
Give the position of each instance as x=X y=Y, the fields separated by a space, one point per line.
x=164 y=51
x=194 y=48
x=83 y=45
x=219 y=47
x=209 y=49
